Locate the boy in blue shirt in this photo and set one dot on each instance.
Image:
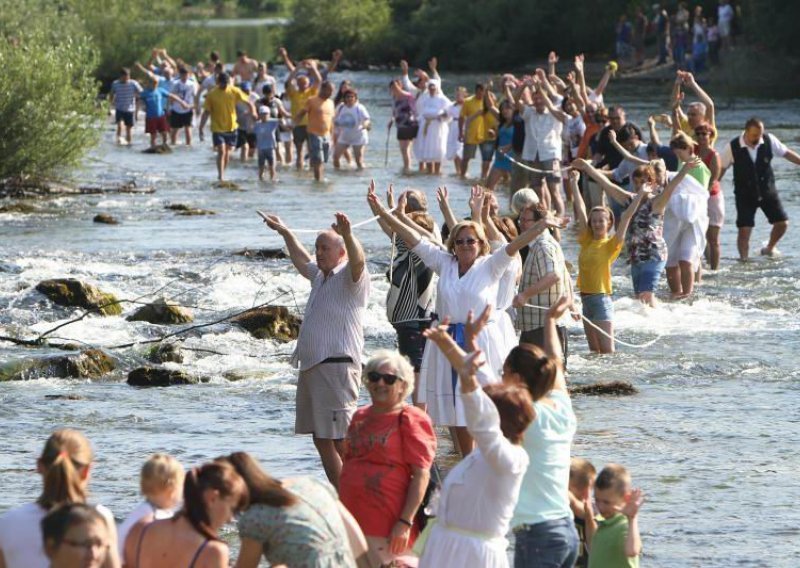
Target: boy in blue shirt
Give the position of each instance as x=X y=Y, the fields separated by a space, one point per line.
x=156 y=96
x=264 y=131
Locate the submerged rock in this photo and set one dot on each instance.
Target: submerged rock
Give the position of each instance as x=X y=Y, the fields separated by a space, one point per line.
x=106 y=219
x=613 y=388
x=24 y=208
x=162 y=149
x=262 y=254
x=159 y=377
x=88 y=364
x=64 y=397
x=269 y=322
x=188 y=210
x=163 y=313
x=228 y=185
x=74 y=293
x=166 y=353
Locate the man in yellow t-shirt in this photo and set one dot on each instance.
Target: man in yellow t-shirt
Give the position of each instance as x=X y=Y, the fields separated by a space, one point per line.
x=299 y=89
x=319 y=116
x=220 y=105
x=471 y=127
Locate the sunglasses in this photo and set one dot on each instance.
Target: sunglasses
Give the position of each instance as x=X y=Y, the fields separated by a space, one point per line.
x=467 y=242
x=388 y=379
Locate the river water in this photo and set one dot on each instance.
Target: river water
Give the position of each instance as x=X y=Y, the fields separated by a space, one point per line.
x=711 y=437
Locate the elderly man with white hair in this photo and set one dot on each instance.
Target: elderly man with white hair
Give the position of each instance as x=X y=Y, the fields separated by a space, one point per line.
x=331 y=338
x=697 y=112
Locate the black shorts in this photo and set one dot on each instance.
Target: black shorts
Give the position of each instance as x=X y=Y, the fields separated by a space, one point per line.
x=770 y=204
x=124 y=116
x=407 y=132
x=410 y=341
x=299 y=135
x=536 y=337
x=181 y=119
x=243 y=137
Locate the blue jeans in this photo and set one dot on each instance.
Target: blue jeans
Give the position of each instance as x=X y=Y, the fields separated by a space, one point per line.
x=597 y=307
x=551 y=544
x=645 y=275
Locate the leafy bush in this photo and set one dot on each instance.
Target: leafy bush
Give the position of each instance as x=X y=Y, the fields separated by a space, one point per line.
x=47 y=95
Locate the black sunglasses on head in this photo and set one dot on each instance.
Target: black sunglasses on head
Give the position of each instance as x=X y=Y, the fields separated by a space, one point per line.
x=388 y=379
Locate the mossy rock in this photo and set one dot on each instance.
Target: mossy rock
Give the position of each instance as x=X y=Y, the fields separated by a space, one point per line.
x=88 y=364
x=161 y=149
x=269 y=322
x=229 y=185
x=163 y=313
x=74 y=293
x=166 y=353
x=159 y=377
x=195 y=212
x=610 y=388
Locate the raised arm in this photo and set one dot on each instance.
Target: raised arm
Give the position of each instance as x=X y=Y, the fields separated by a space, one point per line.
x=444 y=206
x=152 y=76
x=336 y=57
x=661 y=200
x=578 y=206
x=534 y=231
x=545 y=84
x=476 y=199
x=601 y=86
x=633 y=541
x=409 y=235
x=552 y=343
x=612 y=137
x=581 y=78
x=355 y=254
x=627 y=215
x=286 y=60
x=492 y=232
x=552 y=59
x=297 y=252
x=433 y=65
x=557 y=113
x=651 y=126
x=614 y=191
x=313 y=70
x=704 y=97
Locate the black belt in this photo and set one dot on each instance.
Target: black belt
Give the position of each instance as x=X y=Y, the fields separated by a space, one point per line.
x=337 y=360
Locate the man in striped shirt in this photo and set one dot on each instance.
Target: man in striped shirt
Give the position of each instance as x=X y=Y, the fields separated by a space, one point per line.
x=331 y=337
x=544 y=280
x=122 y=99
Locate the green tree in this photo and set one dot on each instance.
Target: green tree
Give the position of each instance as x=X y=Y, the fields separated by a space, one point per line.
x=319 y=26
x=47 y=96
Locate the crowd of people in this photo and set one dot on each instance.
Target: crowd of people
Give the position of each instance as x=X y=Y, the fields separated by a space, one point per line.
x=692 y=40
x=479 y=305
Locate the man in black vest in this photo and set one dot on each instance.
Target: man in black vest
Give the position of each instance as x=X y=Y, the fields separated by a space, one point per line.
x=754 y=183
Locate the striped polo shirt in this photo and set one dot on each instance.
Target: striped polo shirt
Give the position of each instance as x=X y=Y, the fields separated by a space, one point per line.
x=125 y=95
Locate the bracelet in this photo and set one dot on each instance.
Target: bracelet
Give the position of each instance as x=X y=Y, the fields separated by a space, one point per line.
x=405 y=522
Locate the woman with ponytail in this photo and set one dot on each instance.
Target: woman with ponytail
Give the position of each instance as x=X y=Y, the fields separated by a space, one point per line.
x=212 y=494
x=64 y=465
x=297 y=522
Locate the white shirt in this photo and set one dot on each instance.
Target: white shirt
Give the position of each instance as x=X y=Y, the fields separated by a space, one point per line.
x=542 y=136
x=725 y=13
x=779 y=149
x=626 y=167
x=334 y=319
x=21 y=535
x=144 y=509
x=480 y=492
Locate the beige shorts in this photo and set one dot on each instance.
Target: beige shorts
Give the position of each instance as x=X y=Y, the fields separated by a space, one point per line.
x=716 y=210
x=327 y=396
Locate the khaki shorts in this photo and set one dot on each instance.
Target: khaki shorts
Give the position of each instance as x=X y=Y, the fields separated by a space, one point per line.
x=327 y=396
x=553 y=167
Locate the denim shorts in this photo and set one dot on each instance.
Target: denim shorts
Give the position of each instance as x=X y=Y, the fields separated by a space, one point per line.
x=551 y=544
x=597 y=307
x=318 y=148
x=224 y=138
x=266 y=156
x=645 y=275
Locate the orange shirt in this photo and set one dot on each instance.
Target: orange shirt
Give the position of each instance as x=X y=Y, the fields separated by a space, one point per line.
x=320 y=116
x=592 y=128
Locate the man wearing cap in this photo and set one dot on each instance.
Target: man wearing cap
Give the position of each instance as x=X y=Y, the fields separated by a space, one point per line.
x=220 y=104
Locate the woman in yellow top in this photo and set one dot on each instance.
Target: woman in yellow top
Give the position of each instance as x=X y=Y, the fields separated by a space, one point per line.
x=598 y=252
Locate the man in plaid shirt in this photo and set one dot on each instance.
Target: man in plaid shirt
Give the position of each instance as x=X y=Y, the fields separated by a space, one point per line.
x=544 y=280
